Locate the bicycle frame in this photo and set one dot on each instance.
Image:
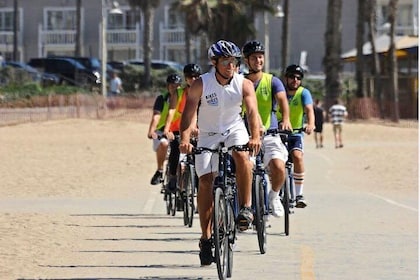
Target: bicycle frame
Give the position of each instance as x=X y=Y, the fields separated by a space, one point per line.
x=225 y=209
x=260 y=200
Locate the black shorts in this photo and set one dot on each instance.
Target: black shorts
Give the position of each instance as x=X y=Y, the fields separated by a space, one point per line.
x=318 y=127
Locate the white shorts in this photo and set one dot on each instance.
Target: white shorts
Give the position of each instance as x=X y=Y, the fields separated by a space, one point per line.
x=156 y=142
x=274 y=148
x=208 y=162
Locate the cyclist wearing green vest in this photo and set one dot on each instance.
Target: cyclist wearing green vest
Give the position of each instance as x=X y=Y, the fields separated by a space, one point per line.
x=301 y=108
x=163 y=103
x=271 y=94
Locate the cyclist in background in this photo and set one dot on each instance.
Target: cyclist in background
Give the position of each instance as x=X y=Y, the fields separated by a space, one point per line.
x=163 y=104
x=301 y=107
x=270 y=94
x=221 y=93
x=171 y=130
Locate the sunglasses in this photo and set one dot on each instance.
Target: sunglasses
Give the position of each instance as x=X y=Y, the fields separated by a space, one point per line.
x=226 y=62
x=192 y=76
x=294 y=77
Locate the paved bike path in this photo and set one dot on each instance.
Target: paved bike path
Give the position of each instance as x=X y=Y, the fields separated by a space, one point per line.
x=344 y=233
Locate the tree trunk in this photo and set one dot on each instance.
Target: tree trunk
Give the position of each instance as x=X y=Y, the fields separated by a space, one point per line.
x=15 y=30
x=187 y=42
x=393 y=67
x=285 y=37
x=147 y=46
x=360 y=61
x=376 y=66
x=332 y=61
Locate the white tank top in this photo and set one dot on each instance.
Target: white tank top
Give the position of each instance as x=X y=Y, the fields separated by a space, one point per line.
x=220 y=108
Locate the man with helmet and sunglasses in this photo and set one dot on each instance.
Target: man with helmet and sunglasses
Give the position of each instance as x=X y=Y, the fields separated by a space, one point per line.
x=164 y=105
x=271 y=95
x=301 y=109
x=221 y=94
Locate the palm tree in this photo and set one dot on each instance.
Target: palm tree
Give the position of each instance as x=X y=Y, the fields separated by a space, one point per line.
x=148 y=8
x=332 y=61
x=360 y=62
x=198 y=15
x=222 y=19
x=376 y=67
x=285 y=36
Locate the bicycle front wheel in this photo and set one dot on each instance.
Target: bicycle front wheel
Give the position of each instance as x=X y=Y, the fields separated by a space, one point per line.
x=220 y=232
x=258 y=189
x=286 y=202
x=188 y=195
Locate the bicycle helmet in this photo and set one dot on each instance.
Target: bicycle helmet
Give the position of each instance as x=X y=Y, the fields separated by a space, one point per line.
x=253 y=47
x=294 y=69
x=225 y=49
x=192 y=70
x=173 y=79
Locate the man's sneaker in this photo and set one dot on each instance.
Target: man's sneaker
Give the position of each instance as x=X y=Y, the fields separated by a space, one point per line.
x=276 y=207
x=245 y=218
x=157 y=178
x=300 y=201
x=206 y=253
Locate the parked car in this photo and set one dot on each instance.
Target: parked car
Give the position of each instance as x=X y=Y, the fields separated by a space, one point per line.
x=37 y=76
x=160 y=64
x=69 y=71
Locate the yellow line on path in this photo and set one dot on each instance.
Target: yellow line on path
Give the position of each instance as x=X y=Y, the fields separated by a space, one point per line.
x=307 y=266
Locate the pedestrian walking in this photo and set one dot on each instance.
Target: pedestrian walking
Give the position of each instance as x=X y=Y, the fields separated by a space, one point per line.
x=338 y=113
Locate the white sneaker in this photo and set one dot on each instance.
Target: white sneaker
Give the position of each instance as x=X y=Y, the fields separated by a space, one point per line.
x=276 y=207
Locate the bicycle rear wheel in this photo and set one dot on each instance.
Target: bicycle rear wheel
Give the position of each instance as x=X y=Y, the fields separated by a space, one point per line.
x=220 y=232
x=258 y=192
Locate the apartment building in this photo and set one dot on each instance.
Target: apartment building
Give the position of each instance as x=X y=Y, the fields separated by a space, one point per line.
x=48 y=27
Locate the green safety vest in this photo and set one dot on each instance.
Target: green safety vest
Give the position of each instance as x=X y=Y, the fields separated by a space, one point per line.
x=265 y=99
x=164 y=112
x=165 y=109
x=296 y=110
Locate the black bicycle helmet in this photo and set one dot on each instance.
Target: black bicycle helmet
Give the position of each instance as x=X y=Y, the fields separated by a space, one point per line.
x=224 y=48
x=252 y=47
x=192 y=70
x=294 y=69
x=173 y=79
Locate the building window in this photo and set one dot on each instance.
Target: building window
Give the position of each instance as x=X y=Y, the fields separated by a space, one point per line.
x=404 y=21
x=59 y=19
x=127 y=20
x=173 y=18
x=6 y=20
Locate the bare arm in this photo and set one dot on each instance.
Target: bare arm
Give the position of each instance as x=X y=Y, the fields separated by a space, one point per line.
x=281 y=98
x=254 y=120
x=153 y=124
x=189 y=116
x=309 y=110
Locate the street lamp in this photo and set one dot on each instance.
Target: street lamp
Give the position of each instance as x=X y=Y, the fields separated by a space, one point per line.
x=104 y=52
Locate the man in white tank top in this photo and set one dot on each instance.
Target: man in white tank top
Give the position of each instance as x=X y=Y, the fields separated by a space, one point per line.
x=221 y=94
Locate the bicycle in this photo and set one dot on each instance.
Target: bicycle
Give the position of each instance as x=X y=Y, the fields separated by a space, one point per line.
x=287 y=192
x=225 y=210
x=188 y=185
x=260 y=200
x=170 y=197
